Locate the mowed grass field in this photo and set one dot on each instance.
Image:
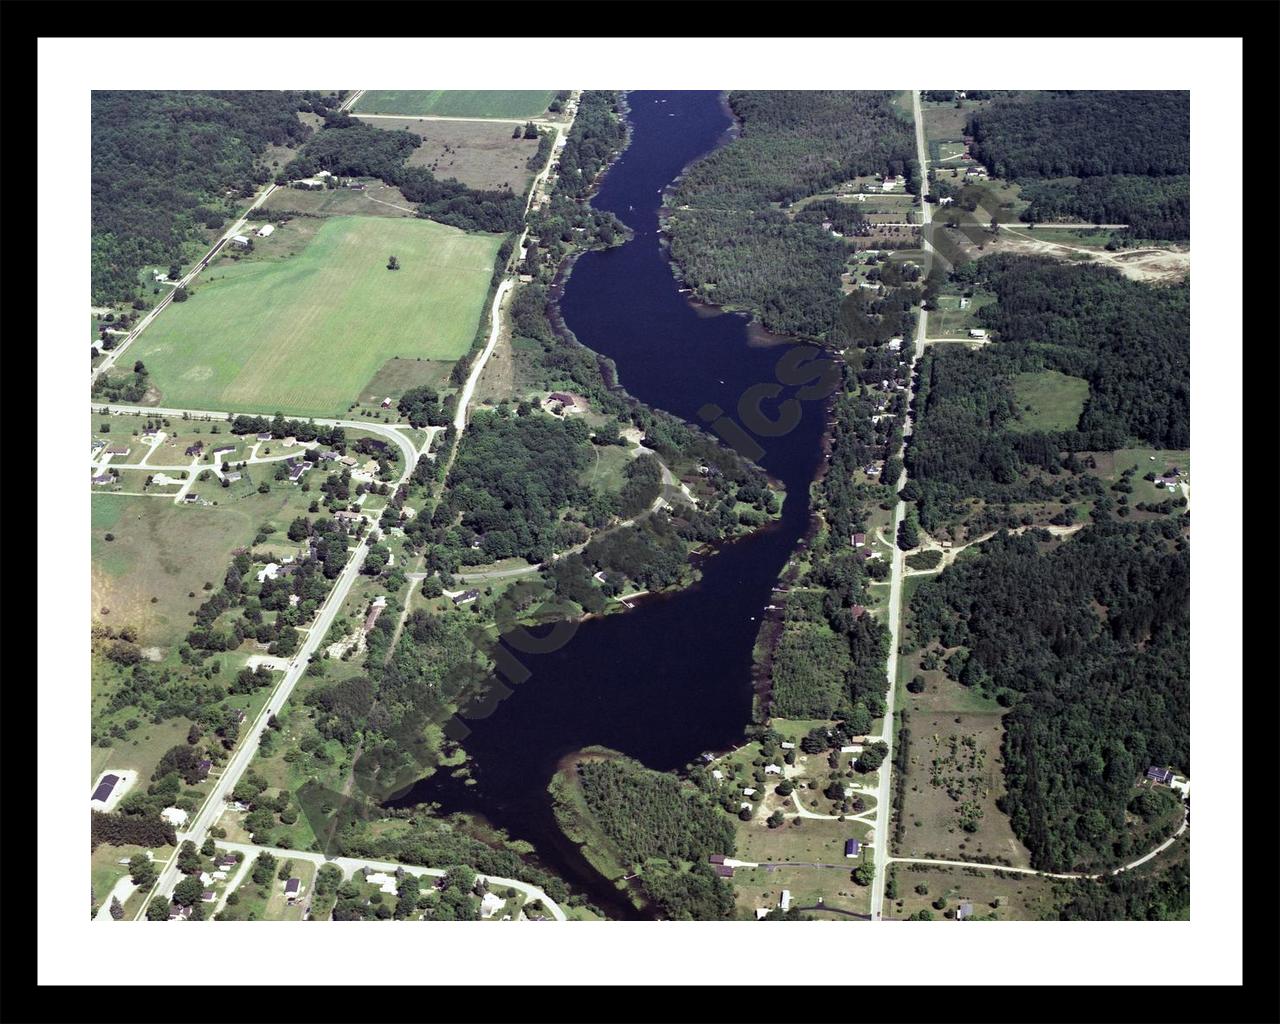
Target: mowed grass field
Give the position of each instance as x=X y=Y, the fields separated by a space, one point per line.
x=456 y=102
x=1049 y=400
x=480 y=155
x=303 y=334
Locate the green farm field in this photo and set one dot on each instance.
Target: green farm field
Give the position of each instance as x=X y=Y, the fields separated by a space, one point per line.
x=456 y=102
x=303 y=334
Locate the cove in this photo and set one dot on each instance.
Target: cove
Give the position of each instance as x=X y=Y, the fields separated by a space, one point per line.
x=671 y=679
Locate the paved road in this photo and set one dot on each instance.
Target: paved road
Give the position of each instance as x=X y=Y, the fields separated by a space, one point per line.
x=880 y=838
x=349 y=865
x=235 y=229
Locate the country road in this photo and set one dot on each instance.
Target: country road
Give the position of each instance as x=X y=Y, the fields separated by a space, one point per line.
x=883 y=810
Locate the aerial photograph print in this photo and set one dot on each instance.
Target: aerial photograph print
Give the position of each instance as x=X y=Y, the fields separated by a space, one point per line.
x=596 y=505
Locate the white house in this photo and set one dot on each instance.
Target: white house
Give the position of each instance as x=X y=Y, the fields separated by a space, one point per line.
x=174 y=816
x=269 y=572
x=748 y=792
x=785 y=901
x=266 y=230
x=490 y=905
x=787 y=746
x=387 y=883
x=240 y=241
x=772 y=769
x=977 y=332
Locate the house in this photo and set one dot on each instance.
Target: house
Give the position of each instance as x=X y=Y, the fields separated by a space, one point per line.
x=379 y=603
x=386 y=402
x=347 y=518
x=490 y=905
x=328 y=456
x=232 y=478
x=857 y=611
x=103 y=793
x=266 y=230
x=749 y=792
x=716 y=858
x=895 y=344
x=208 y=896
x=387 y=883
x=787 y=745
x=465 y=597
x=890 y=183
x=240 y=242
x=359 y=186
x=241 y=715
x=174 y=816
x=196 y=449
x=265 y=436
x=717 y=774
x=226 y=862
x=295 y=473
x=180 y=914
x=860 y=539
x=292 y=889
x=773 y=769
x=1160 y=776
x=117 y=449
x=223 y=449
x=977 y=332
x=724 y=871
x=945 y=200
x=269 y=572
x=289 y=442
x=150 y=432
x=103 y=478
x=204 y=767
x=852 y=848
x=964 y=302
x=784 y=901
x=964 y=911
x=762 y=913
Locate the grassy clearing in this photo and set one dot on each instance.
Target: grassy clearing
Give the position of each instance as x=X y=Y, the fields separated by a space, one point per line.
x=947 y=781
x=950 y=321
x=1049 y=400
x=481 y=156
x=1011 y=898
x=456 y=102
x=607 y=471
x=280 y=334
x=1111 y=466
x=396 y=376
x=375 y=200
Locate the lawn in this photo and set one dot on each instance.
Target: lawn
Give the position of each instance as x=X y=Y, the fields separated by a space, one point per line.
x=456 y=102
x=809 y=887
x=374 y=200
x=481 y=156
x=1049 y=400
x=305 y=333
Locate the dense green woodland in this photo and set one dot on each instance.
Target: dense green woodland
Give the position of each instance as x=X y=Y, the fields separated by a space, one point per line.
x=735 y=249
x=1152 y=207
x=1088 y=640
x=1085 y=134
x=162 y=163
x=660 y=824
x=1111 y=157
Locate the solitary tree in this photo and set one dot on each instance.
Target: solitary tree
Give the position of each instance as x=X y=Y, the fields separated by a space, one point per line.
x=393 y=263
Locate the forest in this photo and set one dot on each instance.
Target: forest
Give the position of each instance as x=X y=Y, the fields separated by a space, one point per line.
x=661 y=824
x=166 y=164
x=733 y=249
x=1087 y=641
x=1157 y=208
x=1125 y=155
x=511 y=479
x=1085 y=133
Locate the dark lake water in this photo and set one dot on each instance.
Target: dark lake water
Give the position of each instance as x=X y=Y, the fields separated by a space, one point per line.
x=672 y=678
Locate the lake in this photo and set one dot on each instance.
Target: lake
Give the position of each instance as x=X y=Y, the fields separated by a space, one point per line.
x=671 y=679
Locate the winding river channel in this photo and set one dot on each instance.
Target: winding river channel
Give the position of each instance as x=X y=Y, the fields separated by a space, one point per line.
x=672 y=678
